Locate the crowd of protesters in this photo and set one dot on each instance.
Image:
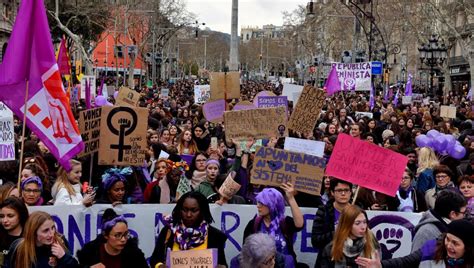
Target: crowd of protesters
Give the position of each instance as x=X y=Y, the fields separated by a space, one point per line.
x=434 y=184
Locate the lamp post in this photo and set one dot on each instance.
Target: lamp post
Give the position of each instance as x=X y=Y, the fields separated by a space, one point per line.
x=433 y=54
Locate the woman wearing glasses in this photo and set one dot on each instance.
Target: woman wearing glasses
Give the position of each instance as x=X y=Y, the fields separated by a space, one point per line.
x=443 y=176
x=31 y=189
x=410 y=199
x=113 y=248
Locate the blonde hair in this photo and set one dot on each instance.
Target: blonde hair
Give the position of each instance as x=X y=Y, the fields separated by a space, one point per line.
x=426 y=159
x=344 y=228
x=26 y=249
x=63 y=180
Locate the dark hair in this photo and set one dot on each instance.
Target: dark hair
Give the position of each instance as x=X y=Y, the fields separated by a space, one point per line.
x=441 y=253
x=19 y=206
x=334 y=182
x=443 y=169
x=205 y=211
x=192 y=168
x=447 y=201
x=466 y=178
x=109 y=215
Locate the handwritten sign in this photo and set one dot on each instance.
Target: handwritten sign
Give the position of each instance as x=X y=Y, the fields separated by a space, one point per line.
x=448 y=111
x=165 y=92
x=214 y=111
x=123 y=136
x=273 y=101
x=307 y=110
x=406 y=100
x=275 y=166
x=416 y=97
x=225 y=85
x=366 y=164
x=89 y=126
x=127 y=97
x=202 y=93
x=310 y=147
x=204 y=258
x=7 y=134
x=229 y=188
x=257 y=123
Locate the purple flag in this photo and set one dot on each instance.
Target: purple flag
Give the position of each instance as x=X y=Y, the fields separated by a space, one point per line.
x=333 y=84
x=88 y=94
x=30 y=62
x=372 y=97
x=469 y=94
x=408 y=87
x=395 y=100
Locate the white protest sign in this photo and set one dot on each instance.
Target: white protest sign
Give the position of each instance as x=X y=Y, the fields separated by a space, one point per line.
x=354 y=76
x=92 y=83
x=310 y=147
x=7 y=134
x=363 y=114
x=202 y=93
x=289 y=90
x=406 y=100
x=165 y=92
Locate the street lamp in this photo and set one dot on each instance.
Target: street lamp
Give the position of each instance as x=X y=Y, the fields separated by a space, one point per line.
x=432 y=54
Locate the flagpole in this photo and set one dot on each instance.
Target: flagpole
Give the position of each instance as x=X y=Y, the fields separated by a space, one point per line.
x=23 y=136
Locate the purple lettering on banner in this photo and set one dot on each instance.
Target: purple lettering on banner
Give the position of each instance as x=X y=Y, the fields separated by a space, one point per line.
x=158 y=219
x=305 y=234
x=231 y=229
x=59 y=224
x=73 y=230
x=132 y=216
x=273 y=101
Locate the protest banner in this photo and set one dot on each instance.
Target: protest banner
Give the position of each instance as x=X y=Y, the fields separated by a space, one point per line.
x=426 y=101
x=127 y=97
x=81 y=225
x=364 y=114
x=310 y=147
x=243 y=105
x=214 y=111
x=366 y=165
x=262 y=94
x=92 y=83
x=165 y=92
x=123 y=136
x=448 y=111
x=307 y=111
x=354 y=76
x=229 y=188
x=225 y=85
x=416 y=97
x=202 y=258
x=257 y=123
x=289 y=90
x=296 y=97
x=89 y=126
x=406 y=100
x=7 y=134
x=273 y=101
x=202 y=93
x=273 y=166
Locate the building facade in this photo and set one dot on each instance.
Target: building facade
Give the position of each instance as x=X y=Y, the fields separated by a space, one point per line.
x=8 y=9
x=274 y=32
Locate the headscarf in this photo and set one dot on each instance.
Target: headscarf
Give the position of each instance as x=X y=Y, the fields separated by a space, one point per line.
x=33 y=179
x=113 y=175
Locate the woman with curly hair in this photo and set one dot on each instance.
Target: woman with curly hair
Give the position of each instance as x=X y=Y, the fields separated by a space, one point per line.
x=114 y=186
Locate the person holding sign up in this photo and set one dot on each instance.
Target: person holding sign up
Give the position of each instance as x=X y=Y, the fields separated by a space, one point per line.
x=271 y=219
x=189 y=228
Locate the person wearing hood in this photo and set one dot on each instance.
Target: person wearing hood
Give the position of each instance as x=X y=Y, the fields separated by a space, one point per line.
x=449 y=205
x=443 y=176
x=202 y=137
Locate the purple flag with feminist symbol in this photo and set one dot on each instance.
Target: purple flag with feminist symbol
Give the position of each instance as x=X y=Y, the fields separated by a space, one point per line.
x=30 y=62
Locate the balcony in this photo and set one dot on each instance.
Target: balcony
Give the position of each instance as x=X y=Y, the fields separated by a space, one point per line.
x=5 y=27
x=456 y=61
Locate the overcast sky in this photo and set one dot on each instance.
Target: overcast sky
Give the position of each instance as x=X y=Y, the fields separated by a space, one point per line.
x=217 y=13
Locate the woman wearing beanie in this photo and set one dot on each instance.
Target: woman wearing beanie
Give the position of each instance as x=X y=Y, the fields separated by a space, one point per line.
x=212 y=171
x=454 y=249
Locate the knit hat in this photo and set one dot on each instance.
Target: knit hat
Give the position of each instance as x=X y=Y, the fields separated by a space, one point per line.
x=463 y=229
x=387 y=134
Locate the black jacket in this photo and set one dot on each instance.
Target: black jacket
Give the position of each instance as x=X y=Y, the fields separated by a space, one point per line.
x=131 y=256
x=216 y=239
x=323 y=228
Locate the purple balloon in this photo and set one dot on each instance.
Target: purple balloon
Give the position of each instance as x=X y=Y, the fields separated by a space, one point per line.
x=115 y=94
x=100 y=101
x=440 y=143
x=451 y=141
x=458 y=152
x=433 y=133
x=423 y=141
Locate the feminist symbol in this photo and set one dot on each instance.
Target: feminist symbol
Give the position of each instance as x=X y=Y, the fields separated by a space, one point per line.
x=126 y=128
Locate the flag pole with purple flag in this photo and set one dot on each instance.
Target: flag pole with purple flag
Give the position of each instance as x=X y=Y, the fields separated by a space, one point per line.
x=30 y=59
x=332 y=84
x=469 y=94
x=372 y=97
x=409 y=86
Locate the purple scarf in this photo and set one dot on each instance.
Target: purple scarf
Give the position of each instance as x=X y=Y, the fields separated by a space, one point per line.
x=188 y=238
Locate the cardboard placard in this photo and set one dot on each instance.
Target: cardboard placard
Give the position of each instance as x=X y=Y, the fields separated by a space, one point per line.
x=127 y=97
x=203 y=258
x=214 y=111
x=307 y=111
x=229 y=188
x=89 y=126
x=366 y=164
x=244 y=105
x=202 y=93
x=273 y=101
x=7 y=134
x=257 y=123
x=310 y=147
x=275 y=166
x=448 y=111
x=123 y=136
x=225 y=85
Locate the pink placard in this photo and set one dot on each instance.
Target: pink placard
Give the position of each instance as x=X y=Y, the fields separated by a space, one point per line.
x=366 y=164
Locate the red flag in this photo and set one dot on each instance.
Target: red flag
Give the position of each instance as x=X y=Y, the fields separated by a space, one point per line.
x=64 y=63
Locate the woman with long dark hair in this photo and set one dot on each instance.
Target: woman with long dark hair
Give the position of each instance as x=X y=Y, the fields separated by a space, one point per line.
x=13 y=216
